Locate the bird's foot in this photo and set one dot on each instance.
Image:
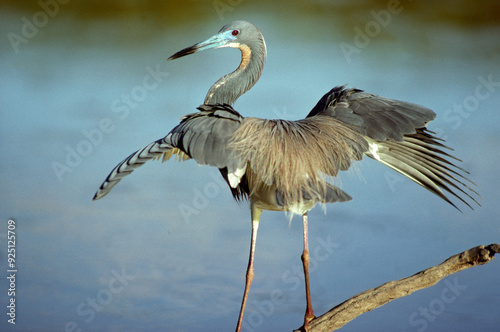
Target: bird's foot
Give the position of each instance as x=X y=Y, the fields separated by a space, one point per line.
x=309 y=316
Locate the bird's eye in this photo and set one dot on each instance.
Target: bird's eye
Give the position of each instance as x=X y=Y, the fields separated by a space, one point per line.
x=235 y=32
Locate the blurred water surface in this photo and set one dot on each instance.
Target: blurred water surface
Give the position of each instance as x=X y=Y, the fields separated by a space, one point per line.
x=75 y=103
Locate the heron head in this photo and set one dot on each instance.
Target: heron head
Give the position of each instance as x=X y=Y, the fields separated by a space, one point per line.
x=237 y=34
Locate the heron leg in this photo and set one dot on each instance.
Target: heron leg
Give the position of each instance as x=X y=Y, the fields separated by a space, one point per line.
x=250 y=271
x=309 y=315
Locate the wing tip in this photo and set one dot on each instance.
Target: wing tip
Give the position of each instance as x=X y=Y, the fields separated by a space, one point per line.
x=419 y=162
x=100 y=193
x=96 y=197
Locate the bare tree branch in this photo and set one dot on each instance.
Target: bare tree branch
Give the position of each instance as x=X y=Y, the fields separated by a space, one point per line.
x=377 y=297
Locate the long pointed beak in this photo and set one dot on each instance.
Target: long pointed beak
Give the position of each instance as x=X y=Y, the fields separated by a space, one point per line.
x=219 y=40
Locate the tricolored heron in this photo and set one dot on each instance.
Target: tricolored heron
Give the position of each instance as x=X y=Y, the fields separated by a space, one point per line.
x=283 y=165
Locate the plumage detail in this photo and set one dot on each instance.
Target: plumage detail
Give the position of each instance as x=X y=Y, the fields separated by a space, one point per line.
x=297 y=156
x=418 y=158
x=397 y=137
x=179 y=155
x=377 y=117
x=129 y=164
x=203 y=136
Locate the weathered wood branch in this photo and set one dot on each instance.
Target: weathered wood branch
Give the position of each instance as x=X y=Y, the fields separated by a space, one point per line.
x=378 y=296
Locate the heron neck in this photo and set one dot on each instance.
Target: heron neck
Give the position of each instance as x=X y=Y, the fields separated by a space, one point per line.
x=231 y=86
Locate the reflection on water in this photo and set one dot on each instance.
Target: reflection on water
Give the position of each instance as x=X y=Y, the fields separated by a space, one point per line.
x=74 y=104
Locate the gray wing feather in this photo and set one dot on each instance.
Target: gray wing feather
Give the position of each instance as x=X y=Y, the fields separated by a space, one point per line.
x=397 y=137
x=333 y=194
x=376 y=117
x=203 y=136
x=417 y=159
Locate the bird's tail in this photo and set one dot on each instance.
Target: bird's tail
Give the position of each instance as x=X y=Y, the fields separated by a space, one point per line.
x=420 y=158
x=154 y=150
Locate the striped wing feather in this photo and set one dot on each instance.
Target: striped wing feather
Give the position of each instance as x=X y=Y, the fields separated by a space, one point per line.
x=202 y=136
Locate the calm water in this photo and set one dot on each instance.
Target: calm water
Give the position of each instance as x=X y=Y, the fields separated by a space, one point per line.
x=86 y=90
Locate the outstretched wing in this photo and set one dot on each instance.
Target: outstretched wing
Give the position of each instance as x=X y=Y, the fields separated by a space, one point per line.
x=129 y=164
x=397 y=136
x=203 y=136
x=377 y=117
